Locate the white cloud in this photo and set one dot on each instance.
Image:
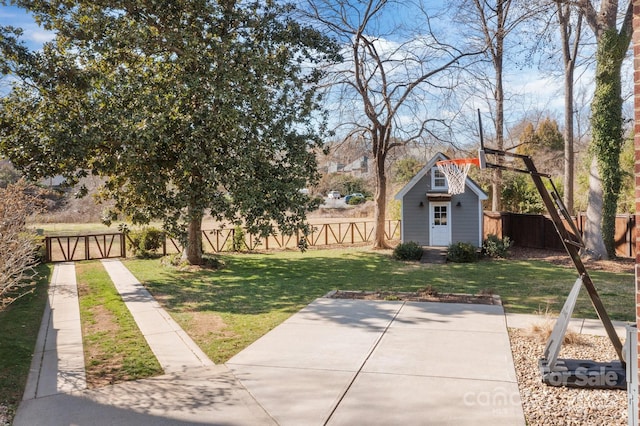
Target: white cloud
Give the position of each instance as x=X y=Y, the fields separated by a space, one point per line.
x=33 y=34
x=37 y=34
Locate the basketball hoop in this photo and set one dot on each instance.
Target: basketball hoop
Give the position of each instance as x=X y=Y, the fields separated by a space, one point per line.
x=456 y=171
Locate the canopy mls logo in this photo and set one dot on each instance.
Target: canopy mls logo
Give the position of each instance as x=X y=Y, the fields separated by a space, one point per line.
x=496 y=398
x=501 y=401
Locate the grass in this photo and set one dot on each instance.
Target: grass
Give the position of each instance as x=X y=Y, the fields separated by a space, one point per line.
x=19 y=325
x=226 y=310
x=114 y=348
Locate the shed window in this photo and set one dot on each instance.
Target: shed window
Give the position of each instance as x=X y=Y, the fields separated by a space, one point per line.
x=438 y=180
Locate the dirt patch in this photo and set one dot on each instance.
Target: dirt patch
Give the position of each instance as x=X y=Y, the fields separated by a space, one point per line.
x=203 y=325
x=424 y=295
x=101 y=368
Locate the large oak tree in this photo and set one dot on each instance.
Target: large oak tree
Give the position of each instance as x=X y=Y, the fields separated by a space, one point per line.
x=183 y=106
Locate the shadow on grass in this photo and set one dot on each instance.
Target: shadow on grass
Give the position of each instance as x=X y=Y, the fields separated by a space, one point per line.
x=255 y=284
x=252 y=284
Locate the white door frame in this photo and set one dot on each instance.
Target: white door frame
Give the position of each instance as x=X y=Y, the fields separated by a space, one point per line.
x=447 y=232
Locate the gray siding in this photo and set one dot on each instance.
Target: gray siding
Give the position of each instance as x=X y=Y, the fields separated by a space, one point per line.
x=465 y=220
x=415 y=219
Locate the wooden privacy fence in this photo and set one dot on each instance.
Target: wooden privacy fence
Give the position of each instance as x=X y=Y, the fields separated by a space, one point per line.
x=102 y=246
x=538 y=231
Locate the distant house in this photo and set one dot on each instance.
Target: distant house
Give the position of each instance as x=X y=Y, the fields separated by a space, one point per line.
x=358 y=168
x=433 y=217
x=333 y=167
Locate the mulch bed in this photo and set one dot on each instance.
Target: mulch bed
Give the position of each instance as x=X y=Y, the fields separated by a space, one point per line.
x=424 y=295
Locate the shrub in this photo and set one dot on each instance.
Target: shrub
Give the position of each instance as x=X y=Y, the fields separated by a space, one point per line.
x=394 y=209
x=237 y=242
x=354 y=201
x=462 y=253
x=496 y=247
x=407 y=251
x=18 y=245
x=146 y=242
x=208 y=262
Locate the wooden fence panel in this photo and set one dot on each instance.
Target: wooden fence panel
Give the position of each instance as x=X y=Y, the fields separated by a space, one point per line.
x=625 y=235
x=101 y=246
x=538 y=231
x=62 y=248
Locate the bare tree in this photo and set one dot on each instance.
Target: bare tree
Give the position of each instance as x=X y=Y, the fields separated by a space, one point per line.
x=570 y=32
x=392 y=87
x=17 y=247
x=494 y=21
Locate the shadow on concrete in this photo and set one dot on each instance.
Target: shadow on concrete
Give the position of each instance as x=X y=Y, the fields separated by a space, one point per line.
x=210 y=396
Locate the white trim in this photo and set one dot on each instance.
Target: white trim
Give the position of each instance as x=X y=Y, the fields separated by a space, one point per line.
x=481 y=227
x=402 y=210
x=439 y=156
x=449 y=221
x=434 y=187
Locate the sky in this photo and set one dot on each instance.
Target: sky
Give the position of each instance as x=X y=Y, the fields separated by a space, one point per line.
x=33 y=36
x=534 y=90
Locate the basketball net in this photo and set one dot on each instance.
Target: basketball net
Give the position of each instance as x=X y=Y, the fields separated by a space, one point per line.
x=456 y=171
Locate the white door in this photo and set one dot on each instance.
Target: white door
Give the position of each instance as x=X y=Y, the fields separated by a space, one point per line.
x=440 y=222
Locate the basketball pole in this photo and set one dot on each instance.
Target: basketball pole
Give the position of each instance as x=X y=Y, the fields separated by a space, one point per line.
x=571 y=241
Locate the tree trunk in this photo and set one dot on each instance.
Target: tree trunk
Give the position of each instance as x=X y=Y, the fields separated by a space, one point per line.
x=606 y=125
x=379 y=241
x=496 y=178
x=193 y=248
x=593 y=227
x=569 y=54
x=568 y=139
x=496 y=202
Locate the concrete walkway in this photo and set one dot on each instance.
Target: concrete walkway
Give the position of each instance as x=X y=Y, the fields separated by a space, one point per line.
x=194 y=390
x=335 y=362
x=173 y=348
x=58 y=361
x=346 y=362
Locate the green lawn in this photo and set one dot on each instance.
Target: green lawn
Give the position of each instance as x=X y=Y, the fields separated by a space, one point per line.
x=19 y=325
x=114 y=348
x=228 y=309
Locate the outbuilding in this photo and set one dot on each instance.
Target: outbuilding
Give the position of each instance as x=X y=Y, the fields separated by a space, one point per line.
x=433 y=217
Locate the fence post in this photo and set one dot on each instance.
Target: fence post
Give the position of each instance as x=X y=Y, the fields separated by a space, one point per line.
x=164 y=244
x=123 y=247
x=47 y=248
x=630 y=220
x=86 y=248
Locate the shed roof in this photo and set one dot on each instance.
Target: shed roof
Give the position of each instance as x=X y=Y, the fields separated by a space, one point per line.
x=430 y=164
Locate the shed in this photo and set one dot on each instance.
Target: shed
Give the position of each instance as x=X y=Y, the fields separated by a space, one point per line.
x=433 y=217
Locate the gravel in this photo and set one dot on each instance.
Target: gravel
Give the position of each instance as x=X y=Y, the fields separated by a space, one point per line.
x=4 y=415
x=549 y=405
